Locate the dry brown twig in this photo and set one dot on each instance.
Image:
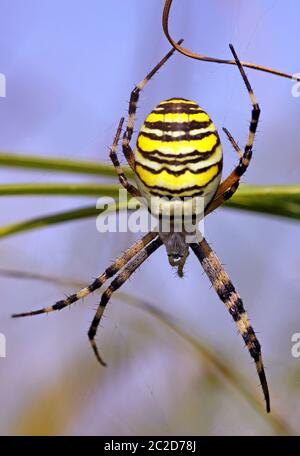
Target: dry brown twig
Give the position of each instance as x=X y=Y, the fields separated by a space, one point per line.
x=194 y=55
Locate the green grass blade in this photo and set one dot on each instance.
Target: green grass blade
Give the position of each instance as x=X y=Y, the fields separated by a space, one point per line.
x=52 y=219
x=60 y=189
x=43 y=221
x=58 y=164
x=274 y=200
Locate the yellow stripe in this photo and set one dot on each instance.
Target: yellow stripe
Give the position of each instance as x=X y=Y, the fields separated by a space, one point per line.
x=177 y=117
x=172 y=147
x=171 y=182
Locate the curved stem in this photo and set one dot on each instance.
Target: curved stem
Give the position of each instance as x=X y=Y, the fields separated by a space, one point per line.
x=194 y=55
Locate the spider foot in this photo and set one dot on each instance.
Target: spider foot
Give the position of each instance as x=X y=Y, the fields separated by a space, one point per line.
x=97 y=354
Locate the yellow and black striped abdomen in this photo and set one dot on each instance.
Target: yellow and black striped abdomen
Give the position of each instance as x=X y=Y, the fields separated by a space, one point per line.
x=178 y=152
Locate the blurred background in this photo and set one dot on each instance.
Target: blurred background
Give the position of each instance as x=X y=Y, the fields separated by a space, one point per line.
x=70 y=67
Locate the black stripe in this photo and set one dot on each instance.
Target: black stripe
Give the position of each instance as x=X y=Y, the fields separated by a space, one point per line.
x=179 y=98
x=178 y=126
x=185 y=137
x=171 y=196
x=253 y=127
x=133 y=100
x=177 y=109
x=178 y=105
x=57 y=306
x=159 y=157
x=225 y=291
x=241 y=168
x=235 y=312
x=254 y=119
x=252 y=343
x=249 y=336
x=179 y=172
x=72 y=298
x=255 y=349
x=96 y=284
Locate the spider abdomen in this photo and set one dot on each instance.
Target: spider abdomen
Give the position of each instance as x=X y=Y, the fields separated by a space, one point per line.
x=178 y=152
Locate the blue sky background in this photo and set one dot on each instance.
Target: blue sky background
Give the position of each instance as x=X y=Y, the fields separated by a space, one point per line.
x=70 y=67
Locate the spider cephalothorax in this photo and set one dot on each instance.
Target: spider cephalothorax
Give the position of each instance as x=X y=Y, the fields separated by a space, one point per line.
x=178 y=155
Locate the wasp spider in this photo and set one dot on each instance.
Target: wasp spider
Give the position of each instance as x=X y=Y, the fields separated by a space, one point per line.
x=178 y=153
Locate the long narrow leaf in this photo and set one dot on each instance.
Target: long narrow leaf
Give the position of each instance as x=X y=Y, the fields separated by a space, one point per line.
x=57 y=164
x=67 y=216
x=273 y=200
x=43 y=221
x=281 y=200
x=59 y=189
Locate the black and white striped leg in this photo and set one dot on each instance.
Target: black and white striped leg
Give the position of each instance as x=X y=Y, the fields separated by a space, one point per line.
x=230 y=184
x=132 y=190
x=132 y=109
x=233 y=142
x=247 y=155
x=121 y=278
x=225 y=194
x=227 y=293
x=112 y=270
x=231 y=191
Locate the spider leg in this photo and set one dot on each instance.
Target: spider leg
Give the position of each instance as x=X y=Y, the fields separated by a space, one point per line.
x=230 y=184
x=120 y=279
x=132 y=190
x=233 y=142
x=220 y=198
x=112 y=270
x=127 y=151
x=227 y=293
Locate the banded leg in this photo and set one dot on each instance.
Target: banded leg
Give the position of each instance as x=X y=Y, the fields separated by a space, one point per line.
x=220 y=198
x=231 y=191
x=118 y=264
x=127 y=151
x=233 y=142
x=121 y=278
x=231 y=182
x=227 y=293
x=132 y=190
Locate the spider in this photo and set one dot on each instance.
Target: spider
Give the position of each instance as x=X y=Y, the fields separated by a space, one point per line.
x=178 y=154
